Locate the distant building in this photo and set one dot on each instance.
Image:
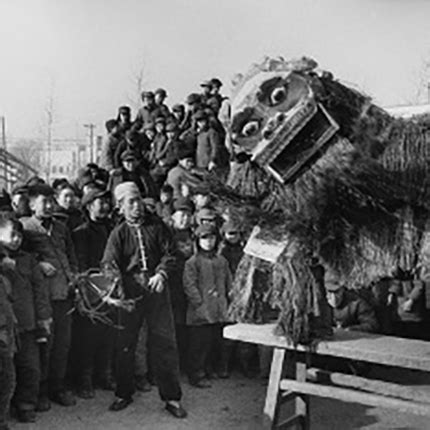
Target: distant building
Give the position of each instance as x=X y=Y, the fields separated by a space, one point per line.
x=68 y=157
x=409 y=111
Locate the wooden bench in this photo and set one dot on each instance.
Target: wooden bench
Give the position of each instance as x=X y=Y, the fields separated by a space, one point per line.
x=372 y=348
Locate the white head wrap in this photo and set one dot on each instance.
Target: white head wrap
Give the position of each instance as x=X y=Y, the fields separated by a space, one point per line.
x=125 y=189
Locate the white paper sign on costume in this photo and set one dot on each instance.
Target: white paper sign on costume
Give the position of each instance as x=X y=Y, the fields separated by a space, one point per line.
x=263 y=248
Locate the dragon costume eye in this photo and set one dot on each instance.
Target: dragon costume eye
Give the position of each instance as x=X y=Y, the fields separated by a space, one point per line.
x=250 y=128
x=278 y=95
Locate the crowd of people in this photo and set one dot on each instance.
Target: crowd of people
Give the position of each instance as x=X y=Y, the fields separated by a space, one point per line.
x=144 y=217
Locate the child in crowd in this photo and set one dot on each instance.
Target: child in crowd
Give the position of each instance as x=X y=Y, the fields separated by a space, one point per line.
x=232 y=250
x=165 y=205
x=50 y=240
x=409 y=297
x=92 y=340
x=32 y=309
x=206 y=280
x=66 y=210
x=201 y=198
x=19 y=201
x=207 y=216
x=7 y=350
x=183 y=237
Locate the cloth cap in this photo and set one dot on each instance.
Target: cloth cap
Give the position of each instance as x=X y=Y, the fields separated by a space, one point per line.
x=35 y=180
x=193 y=98
x=124 y=109
x=20 y=189
x=183 y=204
x=184 y=152
x=231 y=227
x=94 y=194
x=149 y=126
x=178 y=108
x=147 y=94
x=202 y=189
x=206 y=84
x=161 y=91
x=205 y=230
x=149 y=201
x=125 y=189
x=200 y=115
x=206 y=214
x=160 y=119
x=171 y=126
x=128 y=155
x=40 y=189
x=216 y=82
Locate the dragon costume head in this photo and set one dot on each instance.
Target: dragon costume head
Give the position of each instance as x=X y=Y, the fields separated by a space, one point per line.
x=332 y=176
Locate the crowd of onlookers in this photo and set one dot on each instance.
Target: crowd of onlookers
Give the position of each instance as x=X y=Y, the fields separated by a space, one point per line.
x=50 y=233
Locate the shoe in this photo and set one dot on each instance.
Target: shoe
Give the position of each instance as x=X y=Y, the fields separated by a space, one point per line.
x=86 y=393
x=202 y=383
x=120 y=404
x=26 y=416
x=43 y=404
x=64 y=398
x=176 y=410
x=142 y=384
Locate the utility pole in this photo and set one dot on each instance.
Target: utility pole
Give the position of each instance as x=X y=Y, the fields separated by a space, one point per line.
x=50 y=117
x=91 y=127
x=4 y=146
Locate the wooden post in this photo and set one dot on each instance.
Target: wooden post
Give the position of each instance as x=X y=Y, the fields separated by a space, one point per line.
x=271 y=406
x=302 y=400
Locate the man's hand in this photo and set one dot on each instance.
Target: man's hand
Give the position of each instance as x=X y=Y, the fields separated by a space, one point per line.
x=45 y=325
x=211 y=166
x=407 y=305
x=156 y=283
x=48 y=269
x=8 y=263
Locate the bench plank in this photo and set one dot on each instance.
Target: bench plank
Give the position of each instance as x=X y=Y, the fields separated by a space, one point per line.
x=374 y=348
x=353 y=396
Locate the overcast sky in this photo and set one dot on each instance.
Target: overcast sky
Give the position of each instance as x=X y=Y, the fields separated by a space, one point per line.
x=86 y=52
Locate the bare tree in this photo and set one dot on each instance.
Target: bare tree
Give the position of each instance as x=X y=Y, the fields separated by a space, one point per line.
x=138 y=82
x=29 y=151
x=422 y=88
x=49 y=112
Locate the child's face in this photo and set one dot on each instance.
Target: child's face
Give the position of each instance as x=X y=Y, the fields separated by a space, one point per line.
x=66 y=198
x=185 y=248
x=129 y=165
x=10 y=237
x=232 y=237
x=201 y=200
x=207 y=243
x=160 y=127
x=41 y=206
x=165 y=197
x=181 y=220
x=99 y=208
x=150 y=134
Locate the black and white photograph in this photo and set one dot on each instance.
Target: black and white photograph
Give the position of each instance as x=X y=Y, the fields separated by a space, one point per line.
x=214 y=214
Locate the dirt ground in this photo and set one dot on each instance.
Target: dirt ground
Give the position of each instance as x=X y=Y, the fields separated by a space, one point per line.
x=234 y=404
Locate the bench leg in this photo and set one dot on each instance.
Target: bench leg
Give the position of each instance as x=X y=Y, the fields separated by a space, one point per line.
x=302 y=400
x=271 y=406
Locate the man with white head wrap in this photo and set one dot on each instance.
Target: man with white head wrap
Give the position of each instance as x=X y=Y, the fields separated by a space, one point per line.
x=142 y=249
